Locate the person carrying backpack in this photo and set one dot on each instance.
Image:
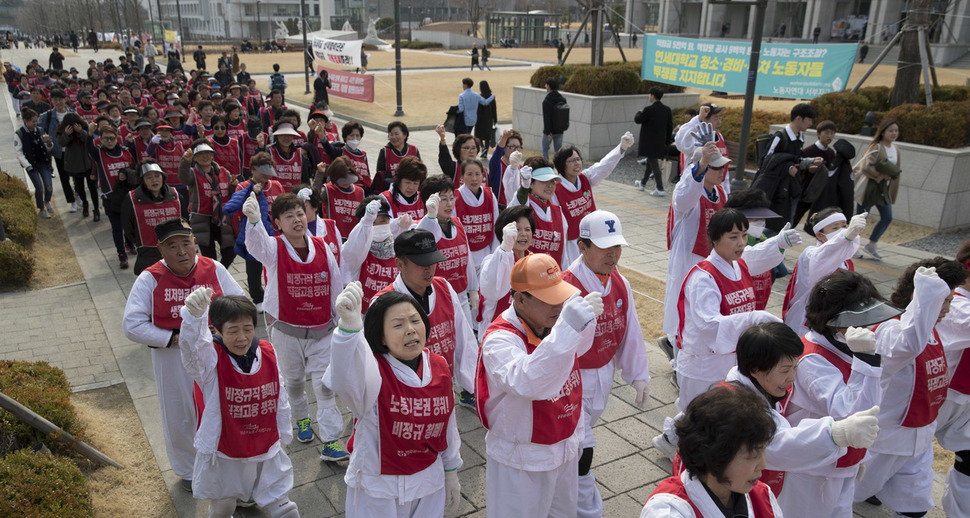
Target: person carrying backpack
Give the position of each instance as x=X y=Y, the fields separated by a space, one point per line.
x=277 y=81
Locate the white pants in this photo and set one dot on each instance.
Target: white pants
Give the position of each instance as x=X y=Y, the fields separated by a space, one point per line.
x=515 y=493
x=361 y=505
x=690 y=388
x=596 y=394
x=467 y=310
x=218 y=478
x=903 y=483
x=825 y=496
x=179 y=417
x=296 y=357
x=953 y=433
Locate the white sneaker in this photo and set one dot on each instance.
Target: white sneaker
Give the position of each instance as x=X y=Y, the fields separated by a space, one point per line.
x=259 y=307
x=73 y=207
x=642 y=161
x=662 y=444
x=44 y=214
x=50 y=208
x=638 y=184
x=870 y=249
x=658 y=193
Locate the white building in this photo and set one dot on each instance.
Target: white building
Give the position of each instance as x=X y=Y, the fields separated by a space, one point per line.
x=236 y=19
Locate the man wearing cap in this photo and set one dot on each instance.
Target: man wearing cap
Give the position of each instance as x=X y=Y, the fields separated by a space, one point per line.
x=147 y=205
x=209 y=187
x=708 y=114
x=292 y=165
x=127 y=129
x=417 y=257
x=618 y=340
x=529 y=392
x=152 y=317
x=142 y=138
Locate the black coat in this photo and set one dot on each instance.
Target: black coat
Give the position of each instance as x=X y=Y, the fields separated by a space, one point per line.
x=487 y=117
x=656 y=130
x=779 y=186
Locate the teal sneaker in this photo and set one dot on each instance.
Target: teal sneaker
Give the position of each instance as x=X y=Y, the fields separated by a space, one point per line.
x=303 y=431
x=466 y=399
x=333 y=451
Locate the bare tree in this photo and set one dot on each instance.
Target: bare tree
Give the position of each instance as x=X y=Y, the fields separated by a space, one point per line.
x=906 y=89
x=474 y=10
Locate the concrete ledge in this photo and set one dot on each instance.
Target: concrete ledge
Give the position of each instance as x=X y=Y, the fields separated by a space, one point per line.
x=595 y=123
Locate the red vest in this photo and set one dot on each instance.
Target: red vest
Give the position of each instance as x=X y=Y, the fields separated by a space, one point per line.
x=960 y=381
x=762 y=289
x=375 y=276
x=304 y=289
x=554 y=419
x=271 y=190
x=180 y=136
x=342 y=206
x=548 y=236
x=413 y=420
x=290 y=170
x=929 y=386
x=610 y=326
x=111 y=166
x=207 y=190
x=329 y=237
x=736 y=296
x=575 y=205
x=247 y=403
x=479 y=222
x=249 y=146
x=359 y=160
x=790 y=290
x=457 y=176
x=141 y=148
x=87 y=115
x=391 y=159
x=502 y=195
x=442 y=338
x=416 y=210
x=228 y=156
x=168 y=156
x=126 y=134
x=147 y=215
x=760 y=499
x=454 y=268
x=237 y=130
x=170 y=291
x=702 y=246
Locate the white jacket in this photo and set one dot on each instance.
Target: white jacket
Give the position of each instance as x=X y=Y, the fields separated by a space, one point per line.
x=813 y=264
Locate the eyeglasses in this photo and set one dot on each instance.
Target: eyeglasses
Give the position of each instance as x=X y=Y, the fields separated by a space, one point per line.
x=469 y=148
x=513 y=147
x=574 y=160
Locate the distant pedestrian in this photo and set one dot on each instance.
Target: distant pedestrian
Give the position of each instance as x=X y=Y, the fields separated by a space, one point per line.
x=633 y=40
x=199 y=57
x=815 y=34
x=559 y=52
x=474 y=54
x=56 y=60
x=321 y=97
x=551 y=131
x=782 y=30
x=93 y=40
x=468 y=102
x=487 y=119
x=656 y=134
x=485 y=55
x=863 y=51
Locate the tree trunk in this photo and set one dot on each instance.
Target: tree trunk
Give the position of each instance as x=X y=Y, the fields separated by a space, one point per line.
x=908 y=69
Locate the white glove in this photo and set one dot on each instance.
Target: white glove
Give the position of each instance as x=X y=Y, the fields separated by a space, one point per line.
x=250 y=209
x=577 y=313
x=858 y=430
x=156 y=139
x=515 y=160
x=595 y=300
x=789 y=237
x=525 y=176
x=348 y=307
x=509 y=234
x=370 y=213
x=473 y=303
x=643 y=393
x=626 y=141
x=860 y=340
x=929 y=273
x=198 y=301
x=856 y=225
x=452 y=491
x=861 y=473
x=404 y=221
x=432 y=205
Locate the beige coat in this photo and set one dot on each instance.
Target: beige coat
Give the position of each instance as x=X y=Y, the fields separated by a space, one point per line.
x=867 y=171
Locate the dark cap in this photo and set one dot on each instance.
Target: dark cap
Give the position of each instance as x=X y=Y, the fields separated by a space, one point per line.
x=715 y=109
x=141 y=123
x=83 y=93
x=418 y=246
x=864 y=313
x=171 y=228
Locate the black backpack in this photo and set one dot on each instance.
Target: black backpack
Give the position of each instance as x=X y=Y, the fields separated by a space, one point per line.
x=560 y=118
x=761 y=145
x=277 y=79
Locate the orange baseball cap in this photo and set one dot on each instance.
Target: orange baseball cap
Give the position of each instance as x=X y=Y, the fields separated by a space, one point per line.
x=540 y=276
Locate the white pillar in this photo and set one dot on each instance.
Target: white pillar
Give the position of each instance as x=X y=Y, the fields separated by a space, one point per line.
x=326 y=11
x=752 y=18
x=705 y=19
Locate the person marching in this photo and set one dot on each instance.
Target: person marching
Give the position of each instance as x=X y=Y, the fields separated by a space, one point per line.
x=574 y=192
x=209 y=187
x=837 y=375
x=716 y=305
x=403 y=196
x=292 y=164
x=168 y=152
x=115 y=172
x=837 y=243
x=953 y=422
x=477 y=208
x=391 y=155
x=510 y=142
x=147 y=205
x=302 y=284
x=464 y=147
x=318 y=226
x=406 y=447
x=239 y=456
x=368 y=253
x=538 y=190
x=899 y=470
x=228 y=150
x=754 y=205
x=514 y=227
x=152 y=317
x=72 y=134
x=618 y=341
x=530 y=391
x=417 y=257
x=342 y=195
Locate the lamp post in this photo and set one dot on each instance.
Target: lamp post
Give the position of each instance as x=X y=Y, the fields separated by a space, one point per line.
x=306 y=49
x=397 y=56
x=178 y=10
x=259 y=25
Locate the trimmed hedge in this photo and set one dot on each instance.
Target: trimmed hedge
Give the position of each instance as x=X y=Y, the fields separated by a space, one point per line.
x=41 y=485
x=43 y=389
x=419 y=45
x=760 y=123
x=615 y=78
x=946 y=124
x=16 y=265
x=17 y=210
x=846 y=110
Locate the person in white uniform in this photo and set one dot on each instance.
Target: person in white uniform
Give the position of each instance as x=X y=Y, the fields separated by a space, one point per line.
x=953 y=422
x=537 y=189
x=899 y=471
x=152 y=318
x=240 y=454
x=529 y=393
x=406 y=448
x=514 y=227
x=618 y=342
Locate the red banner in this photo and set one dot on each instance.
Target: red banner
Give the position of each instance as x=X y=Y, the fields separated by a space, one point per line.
x=348 y=85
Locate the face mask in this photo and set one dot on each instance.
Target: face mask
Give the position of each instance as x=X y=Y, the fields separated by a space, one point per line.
x=832 y=235
x=381 y=232
x=756 y=229
x=116 y=120
x=352 y=144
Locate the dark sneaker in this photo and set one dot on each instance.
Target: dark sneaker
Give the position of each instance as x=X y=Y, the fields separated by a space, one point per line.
x=187 y=485
x=466 y=399
x=123 y=261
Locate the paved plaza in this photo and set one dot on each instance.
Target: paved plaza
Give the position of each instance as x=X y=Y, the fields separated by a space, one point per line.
x=78 y=328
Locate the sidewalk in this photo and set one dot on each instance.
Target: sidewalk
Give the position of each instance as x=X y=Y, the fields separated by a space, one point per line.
x=626 y=466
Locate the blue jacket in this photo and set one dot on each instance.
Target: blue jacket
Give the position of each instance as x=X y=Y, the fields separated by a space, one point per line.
x=234 y=205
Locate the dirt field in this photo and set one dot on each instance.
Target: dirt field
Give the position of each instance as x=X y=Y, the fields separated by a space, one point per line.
x=54 y=261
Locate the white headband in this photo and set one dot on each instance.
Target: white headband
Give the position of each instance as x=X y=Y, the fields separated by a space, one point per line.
x=838 y=216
